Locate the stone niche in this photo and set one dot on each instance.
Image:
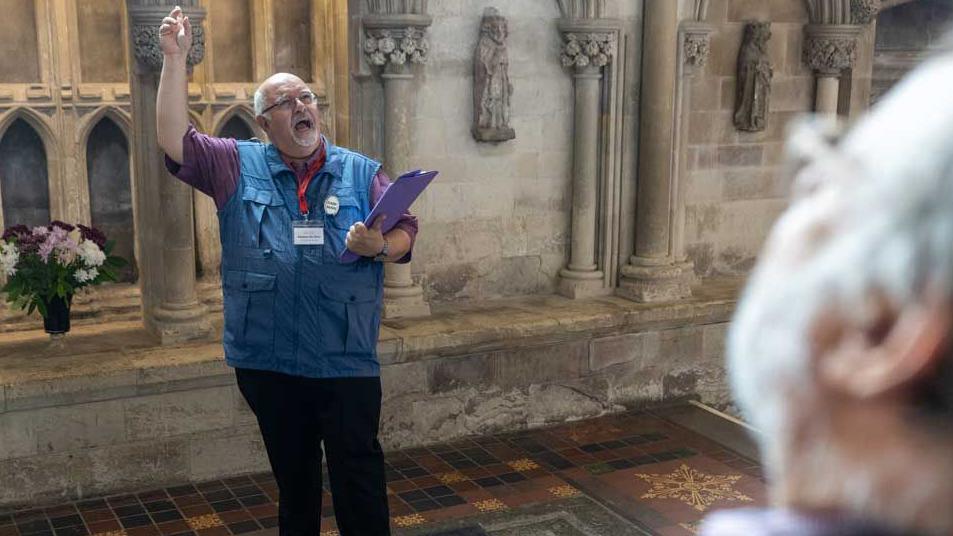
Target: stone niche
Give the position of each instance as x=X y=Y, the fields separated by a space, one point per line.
x=19 y=48
x=110 y=190
x=24 y=177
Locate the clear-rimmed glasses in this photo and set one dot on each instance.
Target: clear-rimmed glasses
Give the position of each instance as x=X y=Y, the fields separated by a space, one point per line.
x=287 y=103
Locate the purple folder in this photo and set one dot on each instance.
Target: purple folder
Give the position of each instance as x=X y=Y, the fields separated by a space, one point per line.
x=394 y=203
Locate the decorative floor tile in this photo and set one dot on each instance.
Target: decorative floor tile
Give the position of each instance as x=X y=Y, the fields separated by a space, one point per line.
x=490 y=505
x=663 y=477
x=564 y=492
x=411 y=520
x=694 y=488
x=204 y=522
x=523 y=464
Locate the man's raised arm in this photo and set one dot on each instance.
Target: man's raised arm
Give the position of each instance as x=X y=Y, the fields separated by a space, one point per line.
x=172 y=119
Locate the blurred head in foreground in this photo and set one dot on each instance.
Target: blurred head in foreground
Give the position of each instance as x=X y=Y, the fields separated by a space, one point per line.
x=840 y=351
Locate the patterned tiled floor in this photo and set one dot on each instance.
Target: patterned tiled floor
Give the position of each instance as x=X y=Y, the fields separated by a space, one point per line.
x=657 y=475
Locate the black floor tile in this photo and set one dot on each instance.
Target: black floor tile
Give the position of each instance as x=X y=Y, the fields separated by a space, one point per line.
x=159 y=506
x=34 y=525
x=95 y=504
x=66 y=521
x=75 y=530
x=135 y=521
x=180 y=491
x=438 y=491
x=254 y=500
x=424 y=505
x=226 y=506
x=488 y=482
x=414 y=495
x=170 y=515
x=450 y=500
x=129 y=510
x=243 y=527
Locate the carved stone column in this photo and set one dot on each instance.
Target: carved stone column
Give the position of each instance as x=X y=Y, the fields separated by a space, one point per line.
x=653 y=273
x=394 y=43
x=166 y=229
x=695 y=39
x=829 y=50
x=588 y=45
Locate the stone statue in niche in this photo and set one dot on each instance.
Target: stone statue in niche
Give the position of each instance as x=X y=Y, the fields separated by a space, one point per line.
x=754 y=78
x=491 y=81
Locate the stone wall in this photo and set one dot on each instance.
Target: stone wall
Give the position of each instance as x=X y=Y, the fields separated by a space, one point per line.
x=87 y=422
x=496 y=222
x=734 y=190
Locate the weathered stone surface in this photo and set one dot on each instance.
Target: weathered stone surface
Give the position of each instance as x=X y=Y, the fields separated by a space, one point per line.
x=28 y=481
x=80 y=426
x=131 y=466
x=71 y=390
x=172 y=414
x=453 y=373
x=17 y=435
x=609 y=351
x=543 y=364
x=238 y=451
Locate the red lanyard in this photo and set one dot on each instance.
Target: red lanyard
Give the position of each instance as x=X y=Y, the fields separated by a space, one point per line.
x=306 y=180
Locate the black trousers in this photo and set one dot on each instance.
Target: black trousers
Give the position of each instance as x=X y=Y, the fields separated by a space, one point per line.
x=296 y=415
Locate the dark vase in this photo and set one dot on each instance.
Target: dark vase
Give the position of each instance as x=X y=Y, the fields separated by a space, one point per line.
x=56 y=320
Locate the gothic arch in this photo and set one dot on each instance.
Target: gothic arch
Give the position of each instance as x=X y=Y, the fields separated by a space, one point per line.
x=41 y=127
x=243 y=112
x=118 y=116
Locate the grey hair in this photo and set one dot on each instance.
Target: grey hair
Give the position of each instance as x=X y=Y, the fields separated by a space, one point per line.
x=879 y=219
x=259 y=103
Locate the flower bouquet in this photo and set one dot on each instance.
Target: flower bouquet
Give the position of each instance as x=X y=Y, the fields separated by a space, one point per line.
x=45 y=266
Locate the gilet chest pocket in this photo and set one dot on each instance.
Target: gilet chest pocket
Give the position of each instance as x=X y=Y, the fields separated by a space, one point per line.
x=250 y=308
x=337 y=225
x=261 y=222
x=349 y=319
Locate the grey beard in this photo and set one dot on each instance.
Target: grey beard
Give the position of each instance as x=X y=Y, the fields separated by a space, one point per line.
x=306 y=142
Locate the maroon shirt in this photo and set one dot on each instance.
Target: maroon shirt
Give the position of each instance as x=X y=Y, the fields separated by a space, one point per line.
x=211 y=166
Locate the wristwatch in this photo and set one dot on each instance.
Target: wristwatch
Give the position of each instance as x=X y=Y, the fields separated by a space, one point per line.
x=382 y=256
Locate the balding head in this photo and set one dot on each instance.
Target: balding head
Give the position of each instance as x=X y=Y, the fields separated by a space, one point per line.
x=266 y=92
x=286 y=109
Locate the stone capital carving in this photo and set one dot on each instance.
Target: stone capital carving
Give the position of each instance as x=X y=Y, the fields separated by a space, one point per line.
x=396 y=46
x=864 y=11
x=145 y=39
x=396 y=40
x=582 y=50
x=696 y=44
x=697 y=49
x=145 y=19
x=829 y=49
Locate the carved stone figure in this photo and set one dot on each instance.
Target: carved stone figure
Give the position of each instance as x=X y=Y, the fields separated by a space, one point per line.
x=491 y=81
x=754 y=78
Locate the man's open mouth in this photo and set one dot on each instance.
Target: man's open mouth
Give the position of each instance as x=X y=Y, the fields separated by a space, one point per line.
x=303 y=125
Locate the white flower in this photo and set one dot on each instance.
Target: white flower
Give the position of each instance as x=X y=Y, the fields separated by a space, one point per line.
x=91 y=254
x=84 y=276
x=9 y=256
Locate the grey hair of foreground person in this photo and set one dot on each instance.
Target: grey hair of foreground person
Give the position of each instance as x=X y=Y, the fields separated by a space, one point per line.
x=867 y=242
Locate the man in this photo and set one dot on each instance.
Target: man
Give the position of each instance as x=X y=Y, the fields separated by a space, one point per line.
x=840 y=352
x=300 y=327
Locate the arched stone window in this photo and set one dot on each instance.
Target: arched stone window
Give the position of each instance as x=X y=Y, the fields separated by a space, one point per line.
x=24 y=176
x=110 y=190
x=237 y=128
x=906 y=33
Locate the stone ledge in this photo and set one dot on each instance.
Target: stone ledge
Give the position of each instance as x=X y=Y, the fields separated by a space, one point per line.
x=85 y=419
x=103 y=361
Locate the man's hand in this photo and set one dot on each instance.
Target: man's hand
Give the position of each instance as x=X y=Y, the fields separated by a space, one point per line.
x=366 y=242
x=175 y=34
